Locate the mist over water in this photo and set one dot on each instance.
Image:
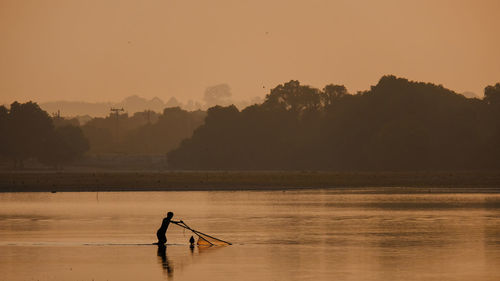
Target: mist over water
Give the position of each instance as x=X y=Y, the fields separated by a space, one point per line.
x=277 y=235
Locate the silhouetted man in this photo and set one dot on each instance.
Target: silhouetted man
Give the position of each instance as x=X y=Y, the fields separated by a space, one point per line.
x=162 y=238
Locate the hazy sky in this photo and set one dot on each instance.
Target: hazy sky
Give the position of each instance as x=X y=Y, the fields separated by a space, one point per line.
x=105 y=50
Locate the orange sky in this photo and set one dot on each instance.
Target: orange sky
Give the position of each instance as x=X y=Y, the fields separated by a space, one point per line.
x=105 y=50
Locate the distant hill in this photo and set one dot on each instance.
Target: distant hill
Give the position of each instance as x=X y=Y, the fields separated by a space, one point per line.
x=133 y=104
x=130 y=104
x=76 y=108
x=470 y=95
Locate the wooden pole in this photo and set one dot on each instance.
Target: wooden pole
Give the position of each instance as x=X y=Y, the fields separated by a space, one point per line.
x=183 y=224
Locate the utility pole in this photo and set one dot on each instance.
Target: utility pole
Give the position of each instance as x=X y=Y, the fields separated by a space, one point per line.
x=56 y=114
x=148 y=139
x=116 y=111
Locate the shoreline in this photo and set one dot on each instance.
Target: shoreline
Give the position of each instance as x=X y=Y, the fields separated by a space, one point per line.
x=110 y=181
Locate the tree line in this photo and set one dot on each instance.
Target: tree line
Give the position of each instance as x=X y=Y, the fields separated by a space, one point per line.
x=396 y=125
x=28 y=132
x=145 y=132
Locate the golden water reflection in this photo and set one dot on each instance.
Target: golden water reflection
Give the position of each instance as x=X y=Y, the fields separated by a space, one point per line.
x=293 y=235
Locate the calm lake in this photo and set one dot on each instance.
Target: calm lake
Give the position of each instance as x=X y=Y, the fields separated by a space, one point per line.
x=276 y=235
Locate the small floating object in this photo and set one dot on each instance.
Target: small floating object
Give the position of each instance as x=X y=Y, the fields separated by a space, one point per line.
x=203 y=238
x=191 y=242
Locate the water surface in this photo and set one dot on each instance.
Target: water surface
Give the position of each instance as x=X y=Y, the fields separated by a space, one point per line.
x=277 y=235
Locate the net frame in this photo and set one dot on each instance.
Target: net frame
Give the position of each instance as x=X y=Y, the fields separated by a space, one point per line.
x=203 y=238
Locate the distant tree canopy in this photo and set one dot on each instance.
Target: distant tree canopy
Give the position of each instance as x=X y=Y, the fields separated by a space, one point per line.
x=4 y=114
x=145 y=132
x=66 y=144
x=218 y=94
x=27 y=132
x=492 y=94
x=59 y=121
x=396 y=125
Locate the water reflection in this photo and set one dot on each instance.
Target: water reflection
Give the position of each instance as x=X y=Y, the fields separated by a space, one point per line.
x=165 y=263
x=299 y=235
x=181 y=260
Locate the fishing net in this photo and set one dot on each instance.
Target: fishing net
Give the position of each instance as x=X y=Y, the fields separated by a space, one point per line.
x=204 y=240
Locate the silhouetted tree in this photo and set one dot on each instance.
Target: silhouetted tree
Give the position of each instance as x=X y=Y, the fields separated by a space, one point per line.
x=65 y=145
x=492 y=125
x=27 y=132
x=396 y=125
x=492 y=94
x=293 y=97
x=100 y=139
x=107 y=134
x=4 y=114
x=219 y=120
x=144 y=132
x=174 y=125
x=28 y=129
x=332 y=93
x=59 y=121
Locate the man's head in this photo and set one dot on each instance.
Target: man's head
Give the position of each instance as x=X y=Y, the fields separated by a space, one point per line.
x=170 y=215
